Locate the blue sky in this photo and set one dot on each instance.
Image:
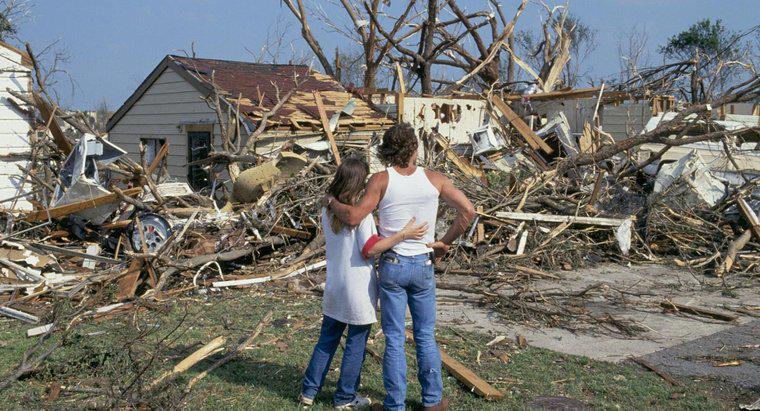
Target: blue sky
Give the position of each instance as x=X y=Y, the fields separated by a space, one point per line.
x=114 y=44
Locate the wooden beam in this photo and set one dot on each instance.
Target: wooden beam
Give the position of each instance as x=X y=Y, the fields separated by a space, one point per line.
x=470 y=379
x=128 y=282
x=577 y=93
x=703 y=312
x=525 y=131
x=553 y=218
x=64 y=210
x=665 y=376
x=465 y=375
x=159 y=157
x=72 y=253
x=326 y=126
x=458 y=161
x=291 y=232
x=48 y=116
x=750 y=216
x=400 y=75
x=480 y=230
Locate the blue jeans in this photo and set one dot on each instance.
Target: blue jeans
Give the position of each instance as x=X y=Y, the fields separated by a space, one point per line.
x=350 y=368
x=409 y=280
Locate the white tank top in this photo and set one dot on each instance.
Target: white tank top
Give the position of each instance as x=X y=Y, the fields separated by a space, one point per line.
x=406 y=197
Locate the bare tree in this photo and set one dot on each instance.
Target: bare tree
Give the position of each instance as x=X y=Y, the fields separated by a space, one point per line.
x=427 y=38
x=12 y=13
x=548 y=53
x=633 y=52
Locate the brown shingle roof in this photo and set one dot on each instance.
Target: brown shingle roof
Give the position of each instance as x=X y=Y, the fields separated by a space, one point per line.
x=254 y=87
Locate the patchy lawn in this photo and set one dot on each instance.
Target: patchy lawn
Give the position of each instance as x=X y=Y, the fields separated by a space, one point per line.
x=131 y=350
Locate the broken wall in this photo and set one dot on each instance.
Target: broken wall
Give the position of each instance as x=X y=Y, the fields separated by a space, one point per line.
x=451 y=117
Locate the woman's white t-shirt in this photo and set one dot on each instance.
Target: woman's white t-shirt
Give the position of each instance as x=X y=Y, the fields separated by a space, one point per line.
x=351 y=287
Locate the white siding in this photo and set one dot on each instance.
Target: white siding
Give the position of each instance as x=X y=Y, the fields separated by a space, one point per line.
x=626 y=119
x=14 y=130
x=168 y=104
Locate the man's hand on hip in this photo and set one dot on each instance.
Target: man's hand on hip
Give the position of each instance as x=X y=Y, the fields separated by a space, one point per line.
x=439 y=249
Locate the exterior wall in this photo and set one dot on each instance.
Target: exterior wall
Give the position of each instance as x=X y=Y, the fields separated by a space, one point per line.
x=427 y=113
x=14 y=130
x=626 y=119
x=167 y=109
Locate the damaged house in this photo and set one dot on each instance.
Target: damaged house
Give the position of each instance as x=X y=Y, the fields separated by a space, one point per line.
x=174 y=106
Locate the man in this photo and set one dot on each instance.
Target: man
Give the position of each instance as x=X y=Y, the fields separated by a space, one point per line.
x=401 y=192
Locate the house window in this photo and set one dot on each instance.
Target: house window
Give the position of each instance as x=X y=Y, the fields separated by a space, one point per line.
x=152 y=147
x=198 y=148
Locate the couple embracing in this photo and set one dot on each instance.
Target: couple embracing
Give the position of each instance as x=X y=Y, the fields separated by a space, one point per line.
x=406 y=198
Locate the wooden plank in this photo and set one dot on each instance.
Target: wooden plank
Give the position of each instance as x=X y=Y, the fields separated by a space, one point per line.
x=703 y=312
x=750 y=216
x=465 y=375
x=463 y=165
x=577 y=93
x=480 y=232
x=64 y=210
x=291 y=232
x=400 y=75
x=665 y=376
x=61 y=142
x=117 y=224
x=470 y=379
x=128 y=283
x=159 y=157
x=553 y=218
x=525 y=131
x=400 y=95
x=282 y=274
x=326 y=126
x=65 y=251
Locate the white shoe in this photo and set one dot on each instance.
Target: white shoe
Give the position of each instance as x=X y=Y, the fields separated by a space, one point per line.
x=306 y=401
x=358 y=402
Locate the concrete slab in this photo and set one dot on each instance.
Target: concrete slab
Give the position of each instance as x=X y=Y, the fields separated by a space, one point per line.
x=701 y=357
x=662 y=330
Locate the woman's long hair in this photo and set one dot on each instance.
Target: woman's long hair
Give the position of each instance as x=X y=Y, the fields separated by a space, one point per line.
x=347 y=186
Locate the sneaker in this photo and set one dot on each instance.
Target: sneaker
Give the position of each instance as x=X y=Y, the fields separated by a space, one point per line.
x=358 y=402
x=306 y=401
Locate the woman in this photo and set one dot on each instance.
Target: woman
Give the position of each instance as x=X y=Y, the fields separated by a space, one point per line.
x=350 y=297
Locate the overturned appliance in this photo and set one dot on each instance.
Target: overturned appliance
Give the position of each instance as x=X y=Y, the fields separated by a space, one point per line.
x=80 y=180
x=484 y=140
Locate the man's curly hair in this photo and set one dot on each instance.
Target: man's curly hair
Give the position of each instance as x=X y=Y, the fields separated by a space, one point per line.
x=399 y=144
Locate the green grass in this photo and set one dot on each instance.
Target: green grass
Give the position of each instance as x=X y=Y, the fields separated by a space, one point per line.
x=269 y=375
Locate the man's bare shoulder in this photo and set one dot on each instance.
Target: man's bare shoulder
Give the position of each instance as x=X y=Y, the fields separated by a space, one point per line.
x=438 y=179
x=381 y=178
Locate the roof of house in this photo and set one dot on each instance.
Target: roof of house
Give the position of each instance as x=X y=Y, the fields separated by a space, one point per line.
x=26 y=60
x=256 y=87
